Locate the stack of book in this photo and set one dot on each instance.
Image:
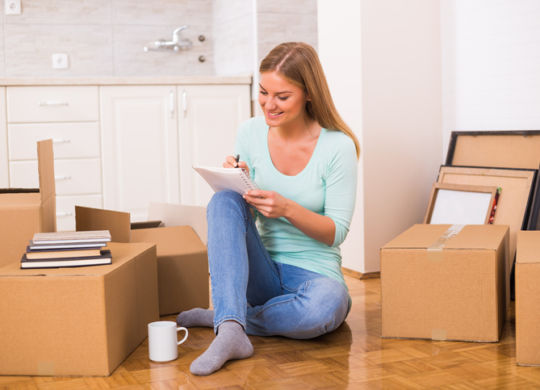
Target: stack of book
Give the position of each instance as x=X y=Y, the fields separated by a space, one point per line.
x=67 y=249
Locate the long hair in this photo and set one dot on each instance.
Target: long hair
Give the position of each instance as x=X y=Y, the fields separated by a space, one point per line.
x=299 y=63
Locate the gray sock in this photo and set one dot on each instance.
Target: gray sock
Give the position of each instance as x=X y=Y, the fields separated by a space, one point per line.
x=230 y=343
x=196 y=317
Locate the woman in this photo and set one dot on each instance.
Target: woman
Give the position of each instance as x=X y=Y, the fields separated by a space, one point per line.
x=282 y=275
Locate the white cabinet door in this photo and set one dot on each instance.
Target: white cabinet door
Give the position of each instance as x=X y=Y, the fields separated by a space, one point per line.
x=139 y=143
x=209 y=116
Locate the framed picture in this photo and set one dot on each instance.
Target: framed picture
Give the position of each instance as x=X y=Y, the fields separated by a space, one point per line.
x=503 y=149
x=460 y=204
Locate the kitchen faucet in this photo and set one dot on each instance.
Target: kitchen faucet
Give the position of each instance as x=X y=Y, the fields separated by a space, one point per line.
x=177 y=43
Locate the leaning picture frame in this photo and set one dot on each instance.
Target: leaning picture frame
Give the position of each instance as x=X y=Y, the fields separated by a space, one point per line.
x=460 y=204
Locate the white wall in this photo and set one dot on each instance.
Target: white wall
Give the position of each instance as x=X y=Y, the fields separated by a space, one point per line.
x=491 y=65
x=402 y=116
x=383 y=62
x=341 y=57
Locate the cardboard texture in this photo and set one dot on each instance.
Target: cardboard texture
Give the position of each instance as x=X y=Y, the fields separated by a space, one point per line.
x=77 y=321
x=24 y=212
x=528 y=298
x=181 y=256
x=501 y=149
x=445 y=282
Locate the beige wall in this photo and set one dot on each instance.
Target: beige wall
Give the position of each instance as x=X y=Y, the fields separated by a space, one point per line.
x=402 y=116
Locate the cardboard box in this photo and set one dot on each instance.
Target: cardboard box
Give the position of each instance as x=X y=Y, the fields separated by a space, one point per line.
x=77 y=321
x=528 y=298
x=445 y=282
x=183 y=278
x=24 y=212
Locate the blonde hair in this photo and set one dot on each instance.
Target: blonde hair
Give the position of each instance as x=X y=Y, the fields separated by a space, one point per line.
x=299 y=63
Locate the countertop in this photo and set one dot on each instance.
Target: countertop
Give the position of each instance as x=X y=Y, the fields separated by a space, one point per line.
x=158 y=80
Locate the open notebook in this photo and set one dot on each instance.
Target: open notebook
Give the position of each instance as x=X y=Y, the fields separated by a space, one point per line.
x=234 y=179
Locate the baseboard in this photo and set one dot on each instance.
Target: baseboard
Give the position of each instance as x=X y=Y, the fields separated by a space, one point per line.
x=360 y=275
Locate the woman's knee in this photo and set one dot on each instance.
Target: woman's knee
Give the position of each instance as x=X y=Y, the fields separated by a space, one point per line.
x=224 y=200
x=326 y=307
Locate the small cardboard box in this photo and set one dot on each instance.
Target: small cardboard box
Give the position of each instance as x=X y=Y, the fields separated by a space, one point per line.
x=445 y=282
x=25 y=211
x=183 y=278
x=528 y=298
x=77 y=321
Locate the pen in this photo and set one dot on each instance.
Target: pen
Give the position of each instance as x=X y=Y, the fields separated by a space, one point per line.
x=237 y=159
x=494 y=207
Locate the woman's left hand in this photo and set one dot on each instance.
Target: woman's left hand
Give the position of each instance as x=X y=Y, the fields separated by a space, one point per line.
x=268 y=203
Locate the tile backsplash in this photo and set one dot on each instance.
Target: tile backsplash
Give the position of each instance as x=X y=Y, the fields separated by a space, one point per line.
x=104 y=38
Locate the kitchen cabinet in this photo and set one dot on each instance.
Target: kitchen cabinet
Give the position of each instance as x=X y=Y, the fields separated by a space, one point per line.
x=139 y=140
x=208 y=121
x=70 y=116
x=121 y=144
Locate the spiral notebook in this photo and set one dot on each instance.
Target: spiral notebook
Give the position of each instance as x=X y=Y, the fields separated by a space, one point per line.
x=234 y=179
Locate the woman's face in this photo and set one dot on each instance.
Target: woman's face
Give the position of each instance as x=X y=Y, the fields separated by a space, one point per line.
x=282 y=102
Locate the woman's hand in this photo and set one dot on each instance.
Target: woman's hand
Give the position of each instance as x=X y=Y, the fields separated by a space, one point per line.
x=230 y=162
x=268 y=203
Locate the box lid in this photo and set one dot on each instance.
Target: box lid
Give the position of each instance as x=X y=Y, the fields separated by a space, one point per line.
x=528 y=247
x=170 y=241
x=121 y=253
x=423 y=236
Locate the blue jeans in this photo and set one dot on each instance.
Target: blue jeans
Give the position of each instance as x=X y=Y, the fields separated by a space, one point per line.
x=267 y=298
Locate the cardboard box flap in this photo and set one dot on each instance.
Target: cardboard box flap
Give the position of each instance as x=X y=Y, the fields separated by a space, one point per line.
x=116 y=222
x=170 y=241
x=180 y=215
x=121 y=254
x=528 y=247
x=449 y=237
x=47 y=184
x=10 y=200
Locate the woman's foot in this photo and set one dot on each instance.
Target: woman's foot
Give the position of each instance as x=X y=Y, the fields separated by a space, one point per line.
x=231 y=342
x=196 y=317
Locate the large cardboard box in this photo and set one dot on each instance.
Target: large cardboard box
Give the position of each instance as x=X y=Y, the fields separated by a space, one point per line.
x=77 y=321
x=445 y=282
x=183 y=278
x=25 y=211
x=528 y=298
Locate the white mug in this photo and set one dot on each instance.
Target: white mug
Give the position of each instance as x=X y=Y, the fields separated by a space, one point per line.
x=163 y=342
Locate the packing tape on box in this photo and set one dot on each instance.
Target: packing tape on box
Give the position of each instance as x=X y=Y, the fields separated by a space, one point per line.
x=438 y=334
x=434 y=251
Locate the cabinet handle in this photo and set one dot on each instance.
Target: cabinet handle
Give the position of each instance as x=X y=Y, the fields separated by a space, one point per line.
x=171 y=103
x=62 y=177
x=64 y=214
x=184 y=102
x=61 y=141
x=53 y=103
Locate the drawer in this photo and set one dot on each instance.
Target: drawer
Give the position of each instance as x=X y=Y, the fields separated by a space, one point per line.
x=72 y=176
x=52 y=104
x=65 y=209
x=70 y=140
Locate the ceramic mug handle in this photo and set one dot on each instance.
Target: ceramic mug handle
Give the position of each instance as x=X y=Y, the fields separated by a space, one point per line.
x=185 y=337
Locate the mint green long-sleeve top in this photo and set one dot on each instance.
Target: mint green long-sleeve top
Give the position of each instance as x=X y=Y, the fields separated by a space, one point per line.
x=327 y=186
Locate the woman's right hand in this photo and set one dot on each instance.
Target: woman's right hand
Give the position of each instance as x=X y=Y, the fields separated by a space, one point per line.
x=230 y=162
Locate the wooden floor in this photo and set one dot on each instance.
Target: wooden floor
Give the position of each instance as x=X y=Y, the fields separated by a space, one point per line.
x=353 y=357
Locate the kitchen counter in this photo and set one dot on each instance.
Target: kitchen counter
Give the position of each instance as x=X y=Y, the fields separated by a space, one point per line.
x=159 y=80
